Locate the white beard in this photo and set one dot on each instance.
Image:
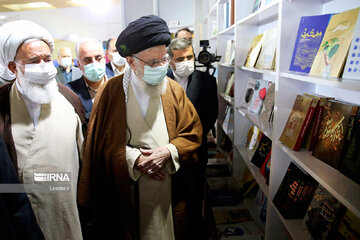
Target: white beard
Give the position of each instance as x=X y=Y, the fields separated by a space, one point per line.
x=39 y=93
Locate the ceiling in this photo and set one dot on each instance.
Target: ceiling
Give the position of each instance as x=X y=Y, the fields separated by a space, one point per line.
x=24 y=5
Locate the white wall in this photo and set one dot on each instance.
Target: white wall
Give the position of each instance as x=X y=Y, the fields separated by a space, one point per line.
x=182 y=10
x=76 y=23
x=137 y=8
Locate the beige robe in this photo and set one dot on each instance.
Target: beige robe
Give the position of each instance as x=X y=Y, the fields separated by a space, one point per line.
x=156 y=220
x=51 y=146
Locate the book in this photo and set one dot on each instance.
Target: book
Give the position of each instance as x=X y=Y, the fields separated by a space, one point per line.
x=214 y=28
x=333 y=127
x=248 y=93
x=229 y=53
x=253 y=138
x=231 y=214
x=295 y=193
x=311 y=135
x=350 y=160
x=309 y=36
x=258 y=97
x=330 y=58
x=320 y=217
x=254 y=51
x=298 y=122
x=266 y=58
x=260 y=202
x=257 y=5
x=232 y=12
x=348 y=227
x=262 y=151
x=352 y=66
x=229 y=90
x=265 y=167
x=268 y=104
x=228 y=124
x=244 y=230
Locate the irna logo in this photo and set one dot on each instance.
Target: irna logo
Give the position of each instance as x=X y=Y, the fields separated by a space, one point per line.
x=52 y=177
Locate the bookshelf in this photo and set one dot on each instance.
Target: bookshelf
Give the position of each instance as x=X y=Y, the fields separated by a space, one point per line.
x=284 y=15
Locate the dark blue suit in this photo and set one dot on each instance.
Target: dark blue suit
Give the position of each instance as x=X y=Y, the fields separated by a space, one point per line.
x=109 y=71
x=79 y=87
x=202 y=92
x=17 y=219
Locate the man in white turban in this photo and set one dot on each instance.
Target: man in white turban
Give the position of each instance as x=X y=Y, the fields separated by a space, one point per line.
x=41 y=122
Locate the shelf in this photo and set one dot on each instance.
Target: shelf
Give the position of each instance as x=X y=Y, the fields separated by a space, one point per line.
x=340 y=186
x=331 y=81
x=264 y=126
x=263 y=16
x=226 y=65
x=212 y=12
x=229 y=30
x=263 y=71
x=293 y=226
x=228 y=99
x=261 y=181
x=213 y=37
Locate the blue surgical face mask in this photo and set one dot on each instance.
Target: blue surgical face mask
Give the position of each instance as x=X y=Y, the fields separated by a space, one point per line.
x=156 y=75
x=94 y=71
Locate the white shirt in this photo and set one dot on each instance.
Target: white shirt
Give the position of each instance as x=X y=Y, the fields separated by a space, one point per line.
x=115 y=70
x=32 y=107
x=182 y=81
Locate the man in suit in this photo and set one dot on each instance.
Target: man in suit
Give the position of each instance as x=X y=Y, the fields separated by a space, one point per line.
x=201 y=89
x=65 y=71
x=91 y=61
x=116 y=65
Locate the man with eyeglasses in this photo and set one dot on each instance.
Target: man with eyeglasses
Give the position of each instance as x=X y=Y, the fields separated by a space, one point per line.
x=201 y=89
x=142 y=129
x=91 y=60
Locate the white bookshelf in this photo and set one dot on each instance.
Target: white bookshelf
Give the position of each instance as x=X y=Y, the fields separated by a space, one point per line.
x=285 y=16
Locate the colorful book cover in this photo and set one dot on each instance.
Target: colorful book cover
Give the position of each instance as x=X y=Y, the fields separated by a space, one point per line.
x=231 y=214
x=265 y=168
x=262 y=151
x=253 y=138
x=330 y=58
x=254 y=51
x=268 y=103
x=298 y=122
x=248 y=93
x=310 y=33
x=267 y=54
x=352 y=66
x=258 y=97
x=332 y=132
x=320 y=217
x=295 y=193
x=239 y=231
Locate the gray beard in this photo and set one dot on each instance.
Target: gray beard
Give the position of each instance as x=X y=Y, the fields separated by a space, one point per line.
x=39 y=93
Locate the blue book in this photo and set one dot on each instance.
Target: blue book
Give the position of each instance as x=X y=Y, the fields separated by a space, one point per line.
x=310 y=34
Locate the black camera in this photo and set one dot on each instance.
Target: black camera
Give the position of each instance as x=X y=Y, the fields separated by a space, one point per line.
x=205 y=57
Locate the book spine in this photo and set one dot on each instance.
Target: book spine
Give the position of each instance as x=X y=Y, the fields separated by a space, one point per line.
x=317 y=122
x=306 y=124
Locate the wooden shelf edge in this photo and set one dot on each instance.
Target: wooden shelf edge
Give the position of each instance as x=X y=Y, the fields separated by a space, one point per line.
x=330 y=178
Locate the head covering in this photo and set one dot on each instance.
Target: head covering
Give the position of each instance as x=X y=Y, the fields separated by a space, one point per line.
x=13 y=34
x=143 y=33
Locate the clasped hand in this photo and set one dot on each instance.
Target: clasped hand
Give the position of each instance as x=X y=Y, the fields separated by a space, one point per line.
x=151 y=161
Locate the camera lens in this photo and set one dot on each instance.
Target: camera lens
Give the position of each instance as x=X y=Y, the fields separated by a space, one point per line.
x=204 y=57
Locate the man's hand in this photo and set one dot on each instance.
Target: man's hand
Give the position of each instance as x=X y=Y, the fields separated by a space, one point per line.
x=151 y=161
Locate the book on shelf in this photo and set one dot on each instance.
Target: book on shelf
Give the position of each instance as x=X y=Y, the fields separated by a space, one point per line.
x=228 y=124
x=295 y=193
x=347 y=228
x=334 y=124
x=253 y=138
x=266 y=58
x=230 y=52
x=231 y=214
x=232 y=12
x=229 y=90
x=320 y=218
x=350 y=159
x=257 y=5
x=309 y=36
x=311 y=135
x=260 y=89
x=268 y=104
x=352 y=66
x=262 y=151
x=214 y=28
x=260 y=202
x=298 y=122
x=254 y=51
x=248 y=93
x=330 y=58
x=239 y=231
x=265 y=167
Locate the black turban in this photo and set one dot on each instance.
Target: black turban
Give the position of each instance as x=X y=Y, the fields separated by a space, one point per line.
x=145 y=32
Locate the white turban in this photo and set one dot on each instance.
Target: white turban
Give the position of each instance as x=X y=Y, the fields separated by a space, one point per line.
x=13 y=34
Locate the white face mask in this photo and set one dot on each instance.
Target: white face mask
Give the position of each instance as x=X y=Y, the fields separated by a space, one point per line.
x=40 y=73
x=66 y=62
x=117 y=59
x=185 y=68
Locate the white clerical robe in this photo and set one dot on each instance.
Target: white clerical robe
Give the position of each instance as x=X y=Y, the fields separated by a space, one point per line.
x=50 y=147
x=154 y=196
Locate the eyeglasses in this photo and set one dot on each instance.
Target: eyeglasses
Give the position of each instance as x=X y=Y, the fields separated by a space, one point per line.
x=155 y=62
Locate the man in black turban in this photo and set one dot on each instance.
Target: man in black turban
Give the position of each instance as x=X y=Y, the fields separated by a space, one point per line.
x=141 y=130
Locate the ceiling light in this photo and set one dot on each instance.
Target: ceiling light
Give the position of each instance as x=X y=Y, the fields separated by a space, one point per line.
x=28 y=6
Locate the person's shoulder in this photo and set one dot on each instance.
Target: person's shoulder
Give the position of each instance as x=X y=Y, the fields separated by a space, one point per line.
x=76 y=83
x=203 y=75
